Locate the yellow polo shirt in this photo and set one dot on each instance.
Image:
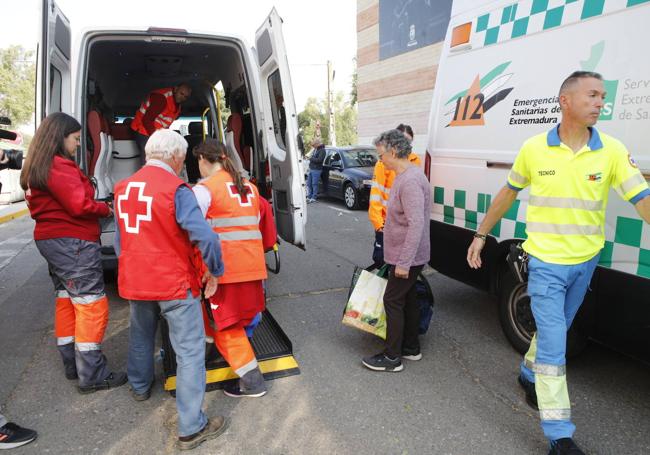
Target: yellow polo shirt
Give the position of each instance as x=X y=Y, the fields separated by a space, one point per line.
x=565 y=219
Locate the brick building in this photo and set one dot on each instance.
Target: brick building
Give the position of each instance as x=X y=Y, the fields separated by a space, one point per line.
x=398 y=49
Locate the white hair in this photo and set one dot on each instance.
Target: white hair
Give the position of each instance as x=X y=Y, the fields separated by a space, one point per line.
x=165 y=144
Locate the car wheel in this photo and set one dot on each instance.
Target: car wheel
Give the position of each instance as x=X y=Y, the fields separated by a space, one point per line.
x=517 y=319
x=351 y=197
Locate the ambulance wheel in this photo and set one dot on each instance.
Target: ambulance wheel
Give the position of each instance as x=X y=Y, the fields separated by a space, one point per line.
x=517 y=319
x=515 y=314
x=351 y=197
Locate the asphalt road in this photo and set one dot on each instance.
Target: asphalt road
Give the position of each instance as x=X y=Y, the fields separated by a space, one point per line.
x=462 y=398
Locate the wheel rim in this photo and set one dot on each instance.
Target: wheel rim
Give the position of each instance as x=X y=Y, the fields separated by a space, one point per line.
x=520 y=314
x=349 y=196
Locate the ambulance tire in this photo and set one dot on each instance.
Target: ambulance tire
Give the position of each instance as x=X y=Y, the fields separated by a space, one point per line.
x=517 y=319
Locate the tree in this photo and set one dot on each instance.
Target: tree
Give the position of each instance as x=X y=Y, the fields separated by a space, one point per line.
x=17 y=84
x=345 y=118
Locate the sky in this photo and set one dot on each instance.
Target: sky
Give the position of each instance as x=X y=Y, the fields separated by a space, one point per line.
x=314 y=32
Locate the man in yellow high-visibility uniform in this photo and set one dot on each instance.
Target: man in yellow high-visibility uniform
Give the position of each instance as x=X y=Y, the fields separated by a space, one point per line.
x=570 y=170
x=382 y=181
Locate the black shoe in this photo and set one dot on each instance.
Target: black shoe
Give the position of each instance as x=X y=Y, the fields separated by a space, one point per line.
x=211 y=430
x=234 y=390
x=71 y=372
x=12 y=436
x=565 y=446
x=531 y=394
x=144 y=396
x=115 y=379
x=380 y=362
x=411 y=354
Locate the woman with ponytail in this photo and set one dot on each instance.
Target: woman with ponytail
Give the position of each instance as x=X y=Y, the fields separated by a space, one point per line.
x=232 y=207
x=61 y=201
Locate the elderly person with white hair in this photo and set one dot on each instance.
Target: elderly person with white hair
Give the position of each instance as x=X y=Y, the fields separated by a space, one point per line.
x=406 y=251
x=159 y=223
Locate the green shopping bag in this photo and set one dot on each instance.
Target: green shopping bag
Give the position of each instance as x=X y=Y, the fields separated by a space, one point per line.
x=365 y=307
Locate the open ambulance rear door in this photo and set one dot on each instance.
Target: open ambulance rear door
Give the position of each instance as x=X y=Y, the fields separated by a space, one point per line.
x=280 y=128
x=53 y=77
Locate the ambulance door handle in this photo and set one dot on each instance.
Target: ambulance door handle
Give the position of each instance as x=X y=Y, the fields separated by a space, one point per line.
x=499 y=164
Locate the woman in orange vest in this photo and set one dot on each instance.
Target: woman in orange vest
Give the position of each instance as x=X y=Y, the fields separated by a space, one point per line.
x=232 y=207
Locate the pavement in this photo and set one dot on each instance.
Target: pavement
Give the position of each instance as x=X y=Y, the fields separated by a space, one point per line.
x=461 y=398
x=12 y=211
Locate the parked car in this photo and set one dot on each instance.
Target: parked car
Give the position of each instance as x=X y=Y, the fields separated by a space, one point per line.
x=347 y=174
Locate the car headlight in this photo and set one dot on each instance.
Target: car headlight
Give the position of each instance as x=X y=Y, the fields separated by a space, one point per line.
x=367 y=182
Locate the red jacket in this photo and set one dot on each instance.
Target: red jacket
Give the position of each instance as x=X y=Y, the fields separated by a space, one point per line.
x=68 y=207
x=155 y=261
x=158 y=111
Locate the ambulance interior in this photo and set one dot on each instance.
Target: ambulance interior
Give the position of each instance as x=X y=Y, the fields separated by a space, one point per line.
x=121 y=72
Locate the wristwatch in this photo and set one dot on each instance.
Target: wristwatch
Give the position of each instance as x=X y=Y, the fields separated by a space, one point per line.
x=480 y=236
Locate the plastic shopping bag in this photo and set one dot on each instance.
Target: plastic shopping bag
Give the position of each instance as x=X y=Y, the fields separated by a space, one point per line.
x=365 y=307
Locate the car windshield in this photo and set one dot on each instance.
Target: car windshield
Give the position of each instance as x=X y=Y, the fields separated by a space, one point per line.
x=360 y=158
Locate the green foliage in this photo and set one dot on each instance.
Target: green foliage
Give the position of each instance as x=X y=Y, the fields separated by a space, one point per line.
x=17 y=83
x=345 y=119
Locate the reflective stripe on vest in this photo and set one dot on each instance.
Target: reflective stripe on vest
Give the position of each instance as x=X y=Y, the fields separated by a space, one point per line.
x=563 y=229
x=162 y=120
x=565 y=203
x=233 y=222
x=241 y=235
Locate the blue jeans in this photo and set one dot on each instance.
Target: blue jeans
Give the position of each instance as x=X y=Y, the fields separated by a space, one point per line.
x=313 y=179
x=187 y=336
x=556 y=292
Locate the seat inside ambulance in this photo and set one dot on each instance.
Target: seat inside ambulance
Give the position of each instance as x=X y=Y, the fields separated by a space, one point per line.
x=123 y=70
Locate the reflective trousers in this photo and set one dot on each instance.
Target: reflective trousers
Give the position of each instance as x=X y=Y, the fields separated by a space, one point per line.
x=556 y=292
x=81 y=314
x=234 y=345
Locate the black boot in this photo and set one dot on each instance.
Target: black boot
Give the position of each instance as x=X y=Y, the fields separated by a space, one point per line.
x=565 y=446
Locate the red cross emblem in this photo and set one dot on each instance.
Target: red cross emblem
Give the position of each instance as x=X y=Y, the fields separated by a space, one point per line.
x=139 y=207
x=245 y=200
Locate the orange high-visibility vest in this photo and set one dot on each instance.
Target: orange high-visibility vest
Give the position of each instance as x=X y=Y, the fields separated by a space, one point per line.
x=382 y=181
x=236 y=218
x=164 y=119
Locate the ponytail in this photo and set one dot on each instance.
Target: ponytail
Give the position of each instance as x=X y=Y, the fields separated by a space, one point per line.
x=216 y=152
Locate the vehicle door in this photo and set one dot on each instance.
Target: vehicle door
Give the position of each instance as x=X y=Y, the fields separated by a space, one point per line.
x=54 y=77
x=280 y=128
x=325 y=174
x=336 y=177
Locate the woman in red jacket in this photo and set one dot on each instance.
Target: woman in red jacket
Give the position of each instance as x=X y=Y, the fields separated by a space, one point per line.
x=61 y=201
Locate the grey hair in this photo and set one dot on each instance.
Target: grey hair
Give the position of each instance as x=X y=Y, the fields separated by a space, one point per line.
x=394 y=139
x=165 y=144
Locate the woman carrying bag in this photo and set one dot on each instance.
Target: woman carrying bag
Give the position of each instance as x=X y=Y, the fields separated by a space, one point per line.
x=406 y=251
x=61 y=201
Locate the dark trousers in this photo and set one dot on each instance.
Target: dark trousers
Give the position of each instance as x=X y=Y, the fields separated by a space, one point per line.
x=402 y=313
x=141 y=141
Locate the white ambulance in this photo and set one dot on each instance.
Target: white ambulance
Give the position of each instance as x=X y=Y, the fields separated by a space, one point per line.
x=497 y=85
x=105 y=78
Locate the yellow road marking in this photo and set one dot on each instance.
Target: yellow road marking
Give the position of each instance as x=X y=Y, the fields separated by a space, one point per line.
x=226 y=373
